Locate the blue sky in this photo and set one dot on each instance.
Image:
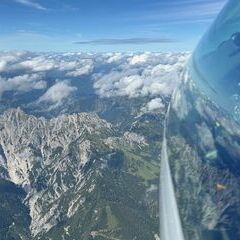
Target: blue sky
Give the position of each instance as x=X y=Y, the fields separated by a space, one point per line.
x=105 y=25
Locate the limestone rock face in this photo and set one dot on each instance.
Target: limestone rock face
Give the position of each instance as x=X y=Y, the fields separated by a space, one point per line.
x=65 y=164
x=47 y=158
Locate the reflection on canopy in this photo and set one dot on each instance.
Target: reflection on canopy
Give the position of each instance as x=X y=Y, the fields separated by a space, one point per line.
x=200 y=167
x=215 y=65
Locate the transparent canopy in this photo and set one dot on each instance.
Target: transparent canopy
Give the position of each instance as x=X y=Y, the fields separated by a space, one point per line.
x=215 y=65
x=200 y=161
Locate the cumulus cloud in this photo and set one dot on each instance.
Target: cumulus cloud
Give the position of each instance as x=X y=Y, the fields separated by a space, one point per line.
x=118 y=84
x=71 y=66
x=86 y=67
x=22 y=83
x=143 y=75
x=58 y=92
x=9 y=58
x=27 y=70
x=130 y=75
x=114 y=58
x=139 y=59
x=37 y=64
x=154 y=105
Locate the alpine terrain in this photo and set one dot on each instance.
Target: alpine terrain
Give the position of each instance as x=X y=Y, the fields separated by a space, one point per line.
x=80 y=143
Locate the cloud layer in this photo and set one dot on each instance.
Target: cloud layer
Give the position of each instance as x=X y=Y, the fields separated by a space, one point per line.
x=142 y=75
x=58 y=76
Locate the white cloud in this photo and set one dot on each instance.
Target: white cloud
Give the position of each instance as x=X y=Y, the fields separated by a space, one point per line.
x=29 y=69
x=154 y=105
x=144 y=75
x=33 y=4
x=74 y=67
x=114 y=58
x=22 y=83
x=117 y=83
x=150 y=75
x=58 y=92
x=8 y=58
x=139 y=59
x=37 y=64
x=27 y=82
x=83 y=68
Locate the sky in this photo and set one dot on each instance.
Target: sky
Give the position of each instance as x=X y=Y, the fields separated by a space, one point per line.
x=105 y=25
